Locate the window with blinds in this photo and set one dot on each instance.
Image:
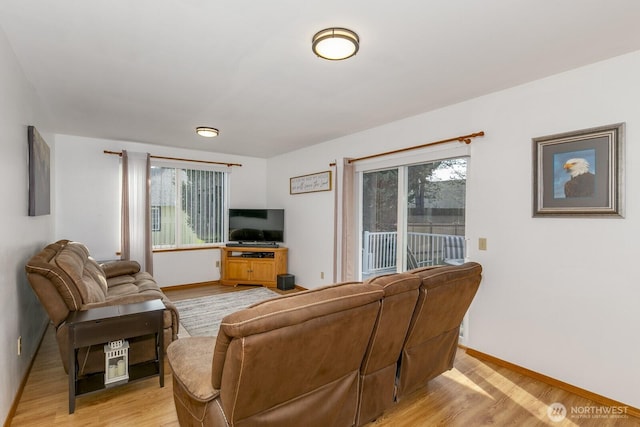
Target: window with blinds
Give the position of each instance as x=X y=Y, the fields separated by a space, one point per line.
x=187 y=207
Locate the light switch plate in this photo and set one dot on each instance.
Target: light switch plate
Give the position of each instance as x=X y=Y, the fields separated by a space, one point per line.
x=482 y=243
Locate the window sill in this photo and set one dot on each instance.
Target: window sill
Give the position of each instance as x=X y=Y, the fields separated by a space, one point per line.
x=189 y=248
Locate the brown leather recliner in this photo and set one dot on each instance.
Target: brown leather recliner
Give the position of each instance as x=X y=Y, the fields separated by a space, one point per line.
x=432 y=340
x=65 y=278
x=290 y=361
x=378 y=372
x=334 y=356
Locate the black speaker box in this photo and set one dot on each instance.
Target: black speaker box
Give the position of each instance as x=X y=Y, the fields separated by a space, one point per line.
x=286 y=282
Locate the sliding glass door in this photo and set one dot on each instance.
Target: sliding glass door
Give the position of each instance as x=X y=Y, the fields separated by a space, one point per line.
x=379 y=222
x=413 y=216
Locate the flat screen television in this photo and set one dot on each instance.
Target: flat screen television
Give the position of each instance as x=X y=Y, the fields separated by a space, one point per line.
x=256 y=225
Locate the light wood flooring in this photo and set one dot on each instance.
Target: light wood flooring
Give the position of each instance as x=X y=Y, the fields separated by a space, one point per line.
x=474 y=393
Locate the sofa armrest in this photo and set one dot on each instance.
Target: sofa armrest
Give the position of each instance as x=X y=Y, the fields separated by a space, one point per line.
x=120 y=268
x=190 y=361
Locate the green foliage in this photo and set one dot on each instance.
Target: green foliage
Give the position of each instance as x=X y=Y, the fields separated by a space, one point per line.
x=428 y=184
x=380 y=198
x=199 y=191
x=423 y=178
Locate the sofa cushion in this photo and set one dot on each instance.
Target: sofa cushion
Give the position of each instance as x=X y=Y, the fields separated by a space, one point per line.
x=296 y=308
x=378 y=370
x=88 y=277
x=400 y=296
x=190 y=359
x=295 y=360
x=131 y=297
x=42 y=273
x=430 y=347
x=286 y=311
x=446 y=294
x=139 y=283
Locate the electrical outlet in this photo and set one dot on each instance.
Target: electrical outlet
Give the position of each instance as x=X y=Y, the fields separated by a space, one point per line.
x=218 y=264
x=322 y=274
x=19 y=346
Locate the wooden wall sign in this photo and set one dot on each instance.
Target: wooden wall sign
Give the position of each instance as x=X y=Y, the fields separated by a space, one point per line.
x=311 y=183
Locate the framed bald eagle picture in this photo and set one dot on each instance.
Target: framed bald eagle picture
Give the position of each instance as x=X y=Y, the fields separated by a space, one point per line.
x=579 y=173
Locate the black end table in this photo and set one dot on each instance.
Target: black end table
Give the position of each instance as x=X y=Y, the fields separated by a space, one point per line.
x=103 y=324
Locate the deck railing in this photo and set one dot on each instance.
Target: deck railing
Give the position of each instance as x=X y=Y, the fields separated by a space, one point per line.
x=424 y=249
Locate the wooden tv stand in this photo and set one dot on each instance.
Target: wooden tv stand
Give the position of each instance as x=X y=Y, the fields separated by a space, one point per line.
x=252 y=265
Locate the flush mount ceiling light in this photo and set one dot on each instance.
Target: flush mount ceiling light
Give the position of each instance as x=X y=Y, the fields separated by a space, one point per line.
x=207 y=132
x=335 y=44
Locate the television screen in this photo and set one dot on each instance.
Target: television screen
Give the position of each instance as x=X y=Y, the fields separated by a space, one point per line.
x=256 y=225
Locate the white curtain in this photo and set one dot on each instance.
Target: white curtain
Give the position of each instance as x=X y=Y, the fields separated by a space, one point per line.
x=136 y=209
x=345 y=223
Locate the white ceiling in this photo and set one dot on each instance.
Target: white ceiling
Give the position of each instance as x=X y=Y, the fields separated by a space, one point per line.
x=152 y=70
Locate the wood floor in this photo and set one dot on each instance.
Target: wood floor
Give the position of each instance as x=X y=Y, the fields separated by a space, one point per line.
x=474 y=393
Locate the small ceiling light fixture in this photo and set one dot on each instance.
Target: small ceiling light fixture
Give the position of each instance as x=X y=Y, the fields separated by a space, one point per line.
x=335 y=44
x=207 y=132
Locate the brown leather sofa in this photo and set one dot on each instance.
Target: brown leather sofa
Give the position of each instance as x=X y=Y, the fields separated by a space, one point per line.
x=332 y=356
x=66 y=278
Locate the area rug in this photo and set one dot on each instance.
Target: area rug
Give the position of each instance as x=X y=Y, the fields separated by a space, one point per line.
x=201 y=316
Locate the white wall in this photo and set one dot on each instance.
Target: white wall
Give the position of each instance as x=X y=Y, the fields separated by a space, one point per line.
x=20 y=312
x=308 y=216
x=558 y=295
x=88 y=201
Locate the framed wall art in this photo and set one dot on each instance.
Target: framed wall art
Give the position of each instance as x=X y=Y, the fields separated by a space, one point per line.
x=39 y=174
x=320 y=181
x=579 y=173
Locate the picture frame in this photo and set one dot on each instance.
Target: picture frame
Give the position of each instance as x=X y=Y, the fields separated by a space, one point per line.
x=39 y=174
x=311 y=183
x=580 y=173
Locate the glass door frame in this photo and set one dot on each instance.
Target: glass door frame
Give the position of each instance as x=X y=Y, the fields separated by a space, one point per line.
x=401 y=163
